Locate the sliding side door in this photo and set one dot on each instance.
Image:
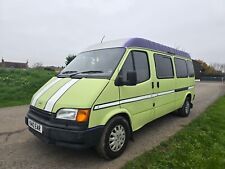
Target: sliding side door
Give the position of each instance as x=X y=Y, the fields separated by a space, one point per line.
x=164 y=85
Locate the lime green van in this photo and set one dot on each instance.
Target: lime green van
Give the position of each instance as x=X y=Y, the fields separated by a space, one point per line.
x=109 y=91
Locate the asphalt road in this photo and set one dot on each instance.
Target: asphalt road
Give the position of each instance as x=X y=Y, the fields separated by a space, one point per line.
x=20 y=149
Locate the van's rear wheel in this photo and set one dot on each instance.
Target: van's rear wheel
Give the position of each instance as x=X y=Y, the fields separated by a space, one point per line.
x=186 y=108
x=114 y=138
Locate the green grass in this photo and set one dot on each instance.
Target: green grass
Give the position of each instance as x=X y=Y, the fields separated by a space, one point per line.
x=17 y=86
x=199 y=145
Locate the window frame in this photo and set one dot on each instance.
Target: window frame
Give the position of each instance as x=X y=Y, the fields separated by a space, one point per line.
x=133 y=61
x=171 y=60
x=176 y=67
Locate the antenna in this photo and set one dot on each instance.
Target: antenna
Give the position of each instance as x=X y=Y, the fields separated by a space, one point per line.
x=103 y=38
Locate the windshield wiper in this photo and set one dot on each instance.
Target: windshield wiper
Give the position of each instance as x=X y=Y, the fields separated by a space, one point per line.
x=86 y=72
x=69 y=72
x=65 y=74
x=91 y=71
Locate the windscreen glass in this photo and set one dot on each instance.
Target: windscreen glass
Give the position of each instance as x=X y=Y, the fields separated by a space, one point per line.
x=98 y=63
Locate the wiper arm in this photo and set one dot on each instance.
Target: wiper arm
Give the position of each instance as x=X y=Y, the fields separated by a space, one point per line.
x=74 y=74
x=68 y=72
x=91 y=71
x=86 y=72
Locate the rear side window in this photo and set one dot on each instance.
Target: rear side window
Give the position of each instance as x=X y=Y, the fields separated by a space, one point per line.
x=181 y=68
x=164 y=67
x=137 y=61
x=191 y=72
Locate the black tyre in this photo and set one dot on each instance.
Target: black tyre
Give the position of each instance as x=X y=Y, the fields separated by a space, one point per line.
x=186 y=108
x=114 y=138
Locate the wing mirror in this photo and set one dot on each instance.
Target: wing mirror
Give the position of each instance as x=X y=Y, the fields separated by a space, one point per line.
x=130 y=81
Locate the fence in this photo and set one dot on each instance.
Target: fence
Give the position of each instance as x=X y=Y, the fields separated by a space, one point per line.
x=213 y=78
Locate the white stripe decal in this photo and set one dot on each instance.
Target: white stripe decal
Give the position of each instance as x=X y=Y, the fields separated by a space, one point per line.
x=107 y=105
x=164 y=93
x=154 y=95
x=135 y=99
x=191 y=87
x=51 y=102
x=132 y=99
x=39 y=94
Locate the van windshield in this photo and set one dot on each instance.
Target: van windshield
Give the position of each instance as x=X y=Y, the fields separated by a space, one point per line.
x=94 y=64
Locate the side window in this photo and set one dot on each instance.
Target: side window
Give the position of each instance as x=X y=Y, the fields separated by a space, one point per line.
x=164 y=67
x=137 y=61
x=191 y=72
x=181 y=68
x=128 y=66
x=141 y=66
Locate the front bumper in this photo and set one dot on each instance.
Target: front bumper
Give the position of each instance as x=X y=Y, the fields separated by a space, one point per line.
x=59 y=132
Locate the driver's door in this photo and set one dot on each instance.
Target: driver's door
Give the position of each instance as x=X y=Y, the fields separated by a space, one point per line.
x=137 y=99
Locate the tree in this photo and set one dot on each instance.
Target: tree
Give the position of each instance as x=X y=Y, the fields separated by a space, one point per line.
x=209 y=69
x=37 y=65
x=69 y=58
x=220 y=67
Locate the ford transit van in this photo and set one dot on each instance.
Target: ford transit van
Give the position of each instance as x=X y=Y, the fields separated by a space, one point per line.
x=109 y=91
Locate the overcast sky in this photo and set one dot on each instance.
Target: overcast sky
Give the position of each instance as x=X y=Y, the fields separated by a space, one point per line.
x=48 y=30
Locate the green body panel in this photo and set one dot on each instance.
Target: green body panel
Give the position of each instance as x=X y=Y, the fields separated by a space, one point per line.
x=109 y=94
x=192 y=91
x=42 y=101
x=181 y=83
x=82 y=94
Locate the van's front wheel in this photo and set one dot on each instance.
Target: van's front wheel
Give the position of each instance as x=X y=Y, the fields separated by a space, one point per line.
x=114 y=138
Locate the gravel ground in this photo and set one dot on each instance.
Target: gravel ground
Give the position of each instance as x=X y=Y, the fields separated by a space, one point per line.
x=20 y=149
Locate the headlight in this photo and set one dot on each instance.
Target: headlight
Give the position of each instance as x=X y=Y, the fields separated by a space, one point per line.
x=67 y=114
x=80 y=115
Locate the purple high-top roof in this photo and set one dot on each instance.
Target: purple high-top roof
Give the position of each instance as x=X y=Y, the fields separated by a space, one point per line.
x=144 y=43
x=138 y=42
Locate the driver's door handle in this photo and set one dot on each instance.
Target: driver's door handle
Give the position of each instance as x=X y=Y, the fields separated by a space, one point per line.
x=158 y=84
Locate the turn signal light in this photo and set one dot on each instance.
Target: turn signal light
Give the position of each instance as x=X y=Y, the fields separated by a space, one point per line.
x=83 y=115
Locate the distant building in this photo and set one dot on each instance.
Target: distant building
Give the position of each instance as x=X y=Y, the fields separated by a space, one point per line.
x=13 y=64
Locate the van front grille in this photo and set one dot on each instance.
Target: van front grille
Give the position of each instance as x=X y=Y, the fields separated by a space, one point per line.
x=41 y=113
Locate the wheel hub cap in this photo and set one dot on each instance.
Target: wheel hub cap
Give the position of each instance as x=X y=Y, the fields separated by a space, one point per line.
x=117 y=138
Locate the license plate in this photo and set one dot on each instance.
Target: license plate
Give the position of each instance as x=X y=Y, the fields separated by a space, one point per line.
x=34 y=125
